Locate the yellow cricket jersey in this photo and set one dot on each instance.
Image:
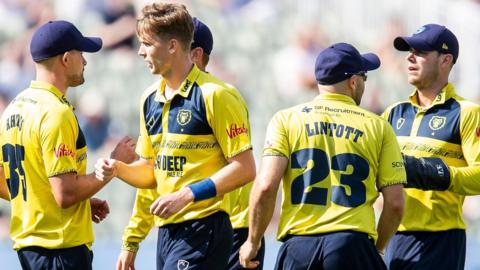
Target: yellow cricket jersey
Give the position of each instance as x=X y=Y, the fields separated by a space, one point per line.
x=447 y=130
x=40 y=138
x=142 y=221
x=191 y=136
x=237 y=206
x=338 y=155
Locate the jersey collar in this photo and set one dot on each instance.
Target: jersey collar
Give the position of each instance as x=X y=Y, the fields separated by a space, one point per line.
x=336 y=97
x=185 y=87
x=447 y=92
x=50 y=88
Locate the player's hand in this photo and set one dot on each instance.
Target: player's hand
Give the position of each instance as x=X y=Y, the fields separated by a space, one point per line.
x=125 y=150
x=165 y=206
x=100 y=209
x=248 y=251
x=126 y=260
x=105 y=169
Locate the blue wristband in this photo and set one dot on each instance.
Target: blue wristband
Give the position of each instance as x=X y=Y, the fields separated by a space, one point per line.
x=203 y=190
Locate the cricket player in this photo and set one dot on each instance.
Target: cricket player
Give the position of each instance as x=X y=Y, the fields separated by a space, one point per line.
x=334 y=158
x=142 y=220
x=44 y=156
x=194 y=145
x=435 y=128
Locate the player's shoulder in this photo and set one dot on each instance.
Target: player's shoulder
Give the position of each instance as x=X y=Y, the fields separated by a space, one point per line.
x=150 y=90
x=397 y=105
x=43 y=103
x=467 y=106
x=210 y=85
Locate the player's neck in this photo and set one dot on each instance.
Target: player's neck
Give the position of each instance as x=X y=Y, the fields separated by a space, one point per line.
x=52 y=78
x=427 y=95
x=176 y=77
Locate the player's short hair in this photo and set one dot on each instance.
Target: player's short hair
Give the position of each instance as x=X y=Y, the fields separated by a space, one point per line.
x=166 y=21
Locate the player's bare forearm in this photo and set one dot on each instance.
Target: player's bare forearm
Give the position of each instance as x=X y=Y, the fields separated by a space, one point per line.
x=69 y=189
x=263 y=196
x=139 y=174
x=392 y=213
x=239 y=171
x=261 y=206
x=465 y=180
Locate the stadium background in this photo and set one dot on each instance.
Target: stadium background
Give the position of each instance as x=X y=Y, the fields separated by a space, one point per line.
x=266 y=48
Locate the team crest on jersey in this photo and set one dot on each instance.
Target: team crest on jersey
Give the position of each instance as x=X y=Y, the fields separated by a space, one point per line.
x=184 y=117
x=182 y=265
x=400 y=122
x=437 y=122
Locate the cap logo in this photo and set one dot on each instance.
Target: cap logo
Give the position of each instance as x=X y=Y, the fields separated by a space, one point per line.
x=420 y=30
x=444 y=46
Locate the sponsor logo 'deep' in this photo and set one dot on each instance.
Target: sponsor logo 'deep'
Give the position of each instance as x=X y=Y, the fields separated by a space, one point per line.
x=63 y=151
x=236 y=130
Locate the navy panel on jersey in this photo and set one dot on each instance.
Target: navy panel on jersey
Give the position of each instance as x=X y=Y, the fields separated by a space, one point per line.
x=152 y=111
x=188 y=115
x=81 y=142
x=401 y=118
x=443 y=250
x=442 y=122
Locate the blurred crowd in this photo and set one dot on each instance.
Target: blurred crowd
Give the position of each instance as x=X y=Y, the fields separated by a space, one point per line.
x=266 y=48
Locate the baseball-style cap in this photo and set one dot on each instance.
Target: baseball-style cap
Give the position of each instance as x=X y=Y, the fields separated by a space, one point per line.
x=57 y=37
x=340 y=61
x=430 y=37
x=202 y=36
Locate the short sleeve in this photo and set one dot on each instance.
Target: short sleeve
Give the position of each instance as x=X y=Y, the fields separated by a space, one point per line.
x=391 y=169
x=229 y=121
x=276 y=138
x=58 y=135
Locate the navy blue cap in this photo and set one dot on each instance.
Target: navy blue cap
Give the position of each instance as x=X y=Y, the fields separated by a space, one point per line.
x=430 y=37
x=57 y=37
x=340 y=61
x=202 y=36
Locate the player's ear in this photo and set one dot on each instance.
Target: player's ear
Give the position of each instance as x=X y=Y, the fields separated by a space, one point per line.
x=197 y=55
x=65 y=57
x=446 y=59
x=173 y=45
x=352 y=82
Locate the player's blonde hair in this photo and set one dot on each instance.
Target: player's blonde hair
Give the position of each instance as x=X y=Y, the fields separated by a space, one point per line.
x=166 y=21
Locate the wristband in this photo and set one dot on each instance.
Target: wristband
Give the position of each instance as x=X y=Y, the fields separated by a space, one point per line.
x=203 y=190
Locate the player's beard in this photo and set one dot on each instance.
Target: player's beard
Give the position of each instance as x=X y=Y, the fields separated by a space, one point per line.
x=76 y=79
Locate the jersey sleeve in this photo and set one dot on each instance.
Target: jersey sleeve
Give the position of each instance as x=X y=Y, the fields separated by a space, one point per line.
x=141 y=221
x=229 y=121
x=58 y=135
x=276 y=138
x=466 y=180
x=144 y=147
x=391 y=170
